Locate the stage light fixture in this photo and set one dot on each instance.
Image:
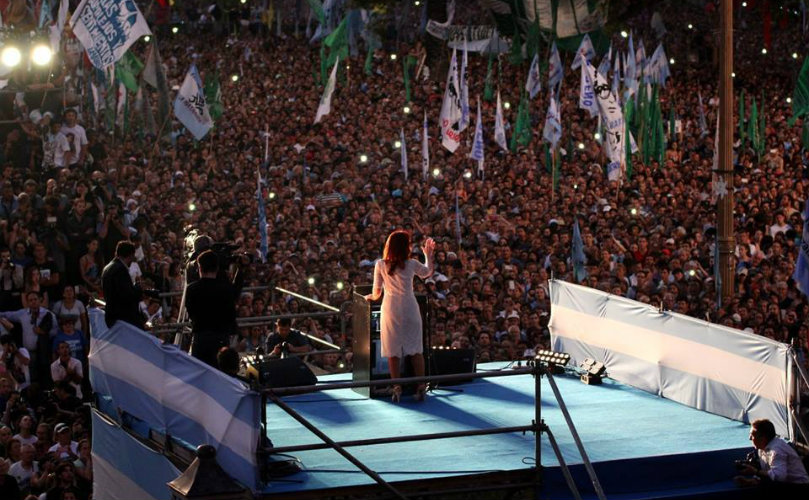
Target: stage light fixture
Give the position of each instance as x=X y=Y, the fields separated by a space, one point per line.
x=41 y=55
x=594 y=371
x=10 y=56
x=552 y=357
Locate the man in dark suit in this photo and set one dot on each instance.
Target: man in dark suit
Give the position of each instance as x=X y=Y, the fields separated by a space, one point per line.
x=211 y=305
x=121 y=294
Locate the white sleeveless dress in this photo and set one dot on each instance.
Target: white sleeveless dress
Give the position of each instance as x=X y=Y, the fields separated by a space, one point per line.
x=401 y=329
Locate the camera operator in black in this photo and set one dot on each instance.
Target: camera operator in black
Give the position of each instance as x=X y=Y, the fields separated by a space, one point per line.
x=211 y=305
x=122 y=296
x=223 y=252
x=286 y=340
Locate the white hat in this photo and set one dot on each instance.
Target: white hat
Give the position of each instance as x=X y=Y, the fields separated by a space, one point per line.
x=513 y=314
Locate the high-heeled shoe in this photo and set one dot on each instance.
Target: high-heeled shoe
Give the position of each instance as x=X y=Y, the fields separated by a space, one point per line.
x=421 y=392
x=396 y=393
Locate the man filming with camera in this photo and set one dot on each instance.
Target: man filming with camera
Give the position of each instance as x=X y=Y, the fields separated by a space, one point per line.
x=211 y=305
x=776 y=467
x=285 y=340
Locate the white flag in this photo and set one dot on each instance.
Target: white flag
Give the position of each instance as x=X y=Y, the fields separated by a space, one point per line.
x=555 y=70
x=477 y=143
x=585 y=52
x=120 y=110
x=403 y=152
x=425 y=150
x=451 y=108
x=190 y=106
x=56 y=30
x=587 y=98
x=613 y=119
x=658 y=67
x=499 y=128
x=464 y=90
x=533 y=85
x=553 y=123
x=107 y=28
x=324 y=107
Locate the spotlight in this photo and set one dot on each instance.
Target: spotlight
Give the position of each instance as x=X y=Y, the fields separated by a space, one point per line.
x=794 y=55
x=363 y=158
x=397 y=144
x=671 y=61
x=552 y=357
x=340 y=285
x=406 y=110
x=436 y=172
x=690 y=26
x=175 y=30
x=234 y=78
x=633 y=211
x=271 y=195
x=764 y=50
x=597 y=136
x=41 y=55
x=624 y=34
x=595 y=371
x=789 y=100
x=507 y=105
x=147 y=39
x=467 y=175
x=581 y=145
x=10 y=56
x=310 y=280
x=192 y=207
x=393 y=57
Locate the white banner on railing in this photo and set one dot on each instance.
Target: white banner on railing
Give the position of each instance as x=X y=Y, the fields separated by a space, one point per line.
x=706 y=366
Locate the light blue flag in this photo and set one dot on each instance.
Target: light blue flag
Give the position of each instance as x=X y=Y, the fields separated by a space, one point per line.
x=604 y=67
x=553 y=123
x=577 y=257
x=262 y=219
x=190 y=106
x=45 y=16
x=477 y=143
x=630 y=68
x=640 y=60
x=801 y=274
x=616 y=74
x=464 y=91
x=658 y=67
x=703 y=124
x=585 y=52
x=555 y=70
x=533 y=85
x=107 y=28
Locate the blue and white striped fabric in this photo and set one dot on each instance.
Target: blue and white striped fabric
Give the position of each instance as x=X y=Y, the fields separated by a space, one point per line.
x=123 y=468
x=177 y=394
x=706 y=366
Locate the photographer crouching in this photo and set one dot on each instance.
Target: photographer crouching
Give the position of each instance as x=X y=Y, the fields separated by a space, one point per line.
x=774 y=466
x=211 y=305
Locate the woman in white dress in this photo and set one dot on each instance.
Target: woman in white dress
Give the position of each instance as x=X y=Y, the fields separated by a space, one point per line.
x=401 y=328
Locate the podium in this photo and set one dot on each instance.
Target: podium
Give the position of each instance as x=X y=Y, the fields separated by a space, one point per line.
x=367 y=347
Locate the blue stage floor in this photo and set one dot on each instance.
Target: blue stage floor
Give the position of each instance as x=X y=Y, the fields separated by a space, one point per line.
x=643 y=446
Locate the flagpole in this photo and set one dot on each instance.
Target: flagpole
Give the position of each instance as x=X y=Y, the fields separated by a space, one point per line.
x=727 y=240
x=266 y=142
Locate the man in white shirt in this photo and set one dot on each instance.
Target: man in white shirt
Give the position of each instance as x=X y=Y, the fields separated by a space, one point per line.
x=67 y=368
x=65 y=447
x=78 y=141
x=23 y=470
x=780 y=468
x=14 y=362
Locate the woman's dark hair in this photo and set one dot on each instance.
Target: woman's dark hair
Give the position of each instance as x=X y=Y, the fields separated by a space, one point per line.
x=397 y=250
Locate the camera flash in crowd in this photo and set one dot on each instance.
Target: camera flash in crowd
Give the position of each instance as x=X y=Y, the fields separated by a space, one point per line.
x=581 y=145
x=147 y=39
x=271 y=195
x=175 y=30
x=634 y=211
x=340 y=285
x=436 y=172
x=192 y=207
x=310 y=280
x=764 y=50
x=467 y=174
x=363 y=158
x=597 y=136
x=507 y=105
x=789 y=100
x=393 y=57
x=794 y=55
x=624 y=34
x=234 y=78
x=671 y=61
x=406 y=110
x=397 y=144
x=692 y=272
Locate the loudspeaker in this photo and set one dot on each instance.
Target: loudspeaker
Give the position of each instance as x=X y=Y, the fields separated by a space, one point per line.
x=280 y=372
x=451 y=361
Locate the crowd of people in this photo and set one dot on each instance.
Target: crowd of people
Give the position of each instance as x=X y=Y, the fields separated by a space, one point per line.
x=71 y=189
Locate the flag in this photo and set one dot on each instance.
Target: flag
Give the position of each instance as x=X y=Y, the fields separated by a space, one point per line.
x=553 y=123
x=407 y=64
x=587 y=98
x=616 y=74
x=800 y=97
x=555 y=70
x=658 y=67
x=612 y=117
x=262 y=219
x=631 y=69
x=606 y=63
x=533 y=85
x=585 y=52
x=425 y=150
x=316 y=7
x=627 y=146
x=55 y=30
x=324 y=107
x=403 y=152
x=337 y=43
x=451 y=108
x=752 y=126
x=464 y=91
x=127 y=70
x=577 y=257
x=477 y=143
x=488 y=88
x=499 y=128
x=703 y=124
x=107 y=28
x=640 y=60
x=742 y=130
x=457 y=218
x=801 y=274
x=522 y=127
x=213 y=94
x=45 y=17
x=121 y=108
x=190 y=106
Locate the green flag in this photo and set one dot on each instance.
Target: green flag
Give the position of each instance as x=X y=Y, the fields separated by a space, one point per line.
x=752 y=126
x=800 y=97
x=515 y=57
x=522 y=128
x=337 y=42
x=488 y=89
x=369 y=60
x=407 y=63
x=672 y=135
x=127 y=70
x=742 y=131
x=317 y=10
x=213 y=96
x=762 y=128
x=548 y=161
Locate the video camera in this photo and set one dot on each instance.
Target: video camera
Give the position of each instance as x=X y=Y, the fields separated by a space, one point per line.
x=750 y=460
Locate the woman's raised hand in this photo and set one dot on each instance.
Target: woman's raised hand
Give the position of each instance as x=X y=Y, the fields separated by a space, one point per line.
x=429 y=246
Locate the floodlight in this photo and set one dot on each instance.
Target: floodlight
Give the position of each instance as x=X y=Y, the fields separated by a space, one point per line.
x=552 y=357
x=41 y=55
x=10 y=56
x=594 y=371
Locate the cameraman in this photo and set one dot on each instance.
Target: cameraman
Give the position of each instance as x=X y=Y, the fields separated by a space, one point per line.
x=780 y=469
x=285 y=340
x=223 y=252
x=211 y=305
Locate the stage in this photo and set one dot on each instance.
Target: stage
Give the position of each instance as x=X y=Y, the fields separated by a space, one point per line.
x=641 y=446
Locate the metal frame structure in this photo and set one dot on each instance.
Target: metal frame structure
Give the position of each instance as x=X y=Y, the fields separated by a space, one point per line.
x=537 y=426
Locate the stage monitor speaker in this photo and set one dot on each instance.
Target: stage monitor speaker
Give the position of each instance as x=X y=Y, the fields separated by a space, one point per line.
x=452 y=361
x=281 y=372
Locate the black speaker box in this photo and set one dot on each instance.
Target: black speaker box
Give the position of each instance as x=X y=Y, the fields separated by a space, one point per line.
x=452 y=361
x=281 y=372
